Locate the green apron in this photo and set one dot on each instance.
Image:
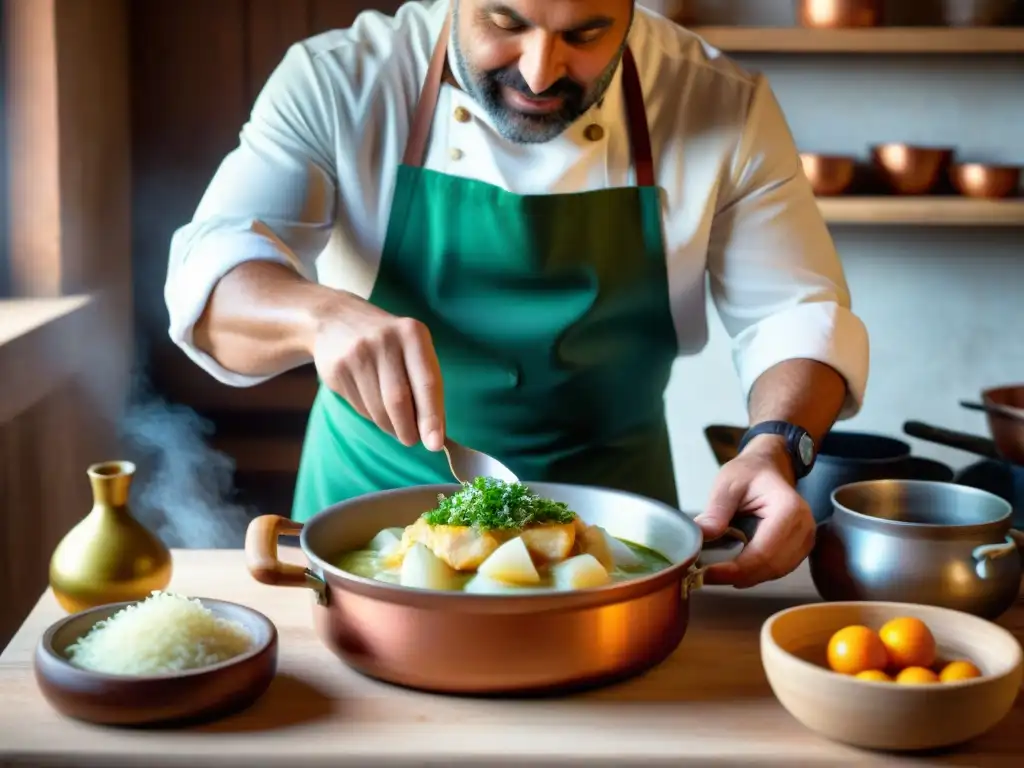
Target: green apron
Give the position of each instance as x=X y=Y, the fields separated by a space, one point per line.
x=551 y=321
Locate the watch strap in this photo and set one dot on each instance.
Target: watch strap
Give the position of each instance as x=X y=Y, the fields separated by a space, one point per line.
x=798 y=442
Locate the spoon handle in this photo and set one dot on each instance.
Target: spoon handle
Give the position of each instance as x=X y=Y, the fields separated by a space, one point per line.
x=451 y=465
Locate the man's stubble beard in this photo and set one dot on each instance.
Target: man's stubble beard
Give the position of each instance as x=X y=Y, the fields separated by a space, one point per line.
x=519 y=127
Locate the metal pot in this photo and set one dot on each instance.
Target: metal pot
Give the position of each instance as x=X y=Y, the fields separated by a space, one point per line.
x=453 y=642
x=916 y=541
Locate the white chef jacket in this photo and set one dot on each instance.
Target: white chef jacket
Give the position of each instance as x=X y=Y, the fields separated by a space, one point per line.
x=311 y=181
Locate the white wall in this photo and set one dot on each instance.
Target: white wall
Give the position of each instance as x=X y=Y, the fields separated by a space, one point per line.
x=943 y=306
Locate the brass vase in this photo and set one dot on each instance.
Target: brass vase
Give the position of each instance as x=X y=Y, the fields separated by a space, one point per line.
x=108 y=557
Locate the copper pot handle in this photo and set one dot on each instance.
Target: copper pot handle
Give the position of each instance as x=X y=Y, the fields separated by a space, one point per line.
x=742 y=532
x=263 y=563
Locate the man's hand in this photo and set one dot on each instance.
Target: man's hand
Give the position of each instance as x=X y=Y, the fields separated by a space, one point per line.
x=759 y=482
x=384 y=366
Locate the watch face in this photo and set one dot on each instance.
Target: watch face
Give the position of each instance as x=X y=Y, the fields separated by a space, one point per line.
x=806 y=447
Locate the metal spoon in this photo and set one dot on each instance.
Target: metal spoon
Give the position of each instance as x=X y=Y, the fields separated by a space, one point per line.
x=467 y=464
x=1006 y=411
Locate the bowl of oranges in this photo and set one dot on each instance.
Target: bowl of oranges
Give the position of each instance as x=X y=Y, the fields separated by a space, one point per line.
x=891 y=676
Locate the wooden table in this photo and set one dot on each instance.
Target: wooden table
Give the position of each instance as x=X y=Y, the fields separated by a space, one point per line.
x=707 y=704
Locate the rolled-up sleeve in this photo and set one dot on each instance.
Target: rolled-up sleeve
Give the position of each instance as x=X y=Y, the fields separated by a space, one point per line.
x=775 y=277
x=273 y=199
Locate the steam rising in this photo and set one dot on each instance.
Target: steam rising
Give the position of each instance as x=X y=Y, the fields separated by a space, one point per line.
x=183 y=489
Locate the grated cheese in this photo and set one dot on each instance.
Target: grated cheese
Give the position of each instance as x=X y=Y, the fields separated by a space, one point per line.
x=165 y=633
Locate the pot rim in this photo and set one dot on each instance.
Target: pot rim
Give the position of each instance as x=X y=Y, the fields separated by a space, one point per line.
x=831 y=458
x=872 y=521
x=526 y=599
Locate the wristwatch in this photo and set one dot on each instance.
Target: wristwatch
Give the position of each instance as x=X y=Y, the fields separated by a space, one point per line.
x=798 y=441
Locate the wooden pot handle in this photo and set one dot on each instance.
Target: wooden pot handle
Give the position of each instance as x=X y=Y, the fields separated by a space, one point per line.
x=263 y=563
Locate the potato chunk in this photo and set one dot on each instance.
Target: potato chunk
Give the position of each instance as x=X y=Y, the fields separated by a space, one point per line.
x=511 y=563
x=580 y=572
x=608 y=550
x=422 y=569
x=485 y=585
x=387 y=541
x=551 y=542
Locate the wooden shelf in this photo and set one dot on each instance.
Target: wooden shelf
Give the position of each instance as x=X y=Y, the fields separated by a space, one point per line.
x=882 y=40
x=923 y=211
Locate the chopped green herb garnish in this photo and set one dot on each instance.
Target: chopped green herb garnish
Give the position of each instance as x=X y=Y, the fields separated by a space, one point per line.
x=488 y=503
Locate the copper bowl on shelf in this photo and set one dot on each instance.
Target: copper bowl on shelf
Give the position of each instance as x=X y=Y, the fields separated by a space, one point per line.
x=911 y=170
x=532 y=641
x=985 y=181
x=828 y=174
x=839 y=14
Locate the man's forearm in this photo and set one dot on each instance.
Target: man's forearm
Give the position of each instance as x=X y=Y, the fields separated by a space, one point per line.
x=262 y=319
x=803 y=392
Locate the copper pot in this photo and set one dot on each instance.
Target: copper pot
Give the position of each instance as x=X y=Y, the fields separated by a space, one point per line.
x=987 y=181
x=828 y=174
x=454 y=642
x=1007 y=433
x=910 y=170
x=838 y=14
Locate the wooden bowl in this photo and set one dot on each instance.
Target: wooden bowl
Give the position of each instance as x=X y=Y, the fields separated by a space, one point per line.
x=910 y=170
x=828 y=174
x=192 y=696
x=985 y=181
x=890 y=716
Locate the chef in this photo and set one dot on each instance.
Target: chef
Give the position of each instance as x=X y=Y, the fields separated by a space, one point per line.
x=493 y=221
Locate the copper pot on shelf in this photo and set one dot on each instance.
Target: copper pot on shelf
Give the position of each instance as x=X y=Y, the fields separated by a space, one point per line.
x=911 y=170
x=829 y=175
x=982 y=180
x=839 y=14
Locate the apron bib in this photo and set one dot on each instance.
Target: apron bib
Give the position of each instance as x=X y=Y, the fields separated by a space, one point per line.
x=551 y=321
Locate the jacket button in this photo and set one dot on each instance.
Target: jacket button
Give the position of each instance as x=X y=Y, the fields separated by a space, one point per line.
x=593 y=132
x=456 y=154
x=462 y=114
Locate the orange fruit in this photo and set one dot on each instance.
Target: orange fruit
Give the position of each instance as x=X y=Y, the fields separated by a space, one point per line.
x=958 y=670
x=909 y=642
x=856 y=649
x=916 y=676
x=874 y=675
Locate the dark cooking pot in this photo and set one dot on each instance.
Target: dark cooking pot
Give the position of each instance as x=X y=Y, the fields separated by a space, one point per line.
x=457 y=642
x=996 y=475
x=850 y=457
x=1004 y=480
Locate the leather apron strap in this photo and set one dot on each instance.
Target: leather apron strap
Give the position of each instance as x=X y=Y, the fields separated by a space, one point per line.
x=636 y=113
